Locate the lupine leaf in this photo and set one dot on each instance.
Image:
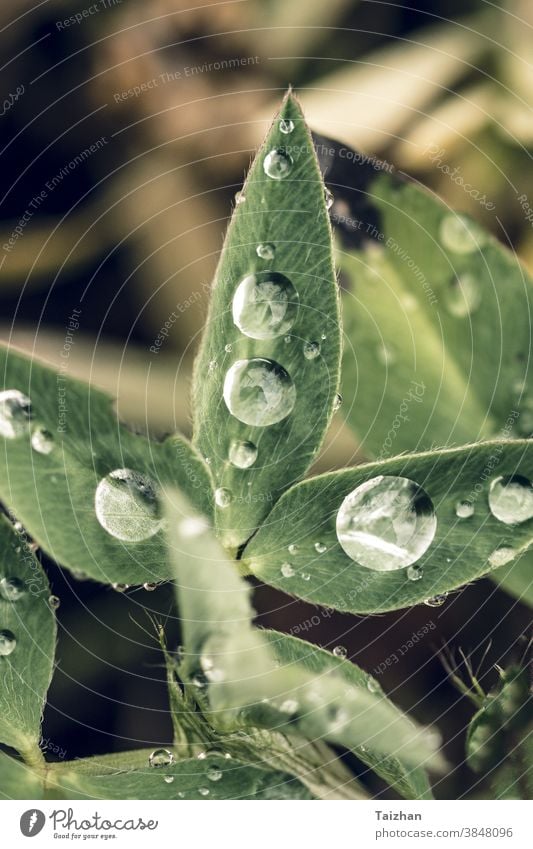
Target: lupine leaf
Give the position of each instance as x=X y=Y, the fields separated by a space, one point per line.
x=282 y=415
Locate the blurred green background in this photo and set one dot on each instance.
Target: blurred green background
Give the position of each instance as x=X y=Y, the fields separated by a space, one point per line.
x=127 y=130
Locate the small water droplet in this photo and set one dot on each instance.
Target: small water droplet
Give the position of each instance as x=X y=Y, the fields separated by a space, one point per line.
x=240 y=197
x=214 y=773
x=207 y=461
x=328 y=197
x=212 y=366
x=15 y=413
x=286 y=570
x=266 y=250
x=8 y=643
x=228 y=348
x=372 y=685
x=323 y=337
x=12 y=589
x=305 y=576
x=311 y=350
x=463 y=296
x=340 y=651
x=168 y=779
x=203 y=791
x=320 y=547
x=386 y=523
x=242 y=454
x=464 y=509
x=501 y=556
x=160 y=757
x=127 y=507
x=150 y=587
x=120 y=588
x=259 y=392
x=201 y=756
x=277 y=164
x=223 y=497
x=511 y=499
x=460 y=235
x=414 y=573
x=337 y=401
x=436 y=600
x=286 y=126
x=293 y=548
x=265 y=305
x=54 y=601
x=42 y=440
x=287 y=340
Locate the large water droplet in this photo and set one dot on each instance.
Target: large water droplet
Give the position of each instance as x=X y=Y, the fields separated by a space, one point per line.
x=161 y=757
x=511 y=499
x=463 y=296
x=126 y=505
x=277 y=164
x=501 y=556
x=259 y=392
x=386 y=523
x=242 y=455
x=460 y=235
x=436 y=600
x=464 y=509
x=266 y=250
x=15 y=413
x=42 y=440
x=311 y=350
x=12 y=589
x=223 y=497
x=286 y=126
x=265 y=305
x=8 y=643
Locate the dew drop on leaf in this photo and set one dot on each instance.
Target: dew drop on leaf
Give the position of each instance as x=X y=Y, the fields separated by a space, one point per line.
x=223 y=497
x=265 y=305
x=259 y=392
x=337 y=401
x=464 y=509
x=242 y=454
x=11 y=589
x=120 y=588
x=8 y=643
x=436 y=600
x=203 y=791
x=239 y=198
x=340 y=651
x=414 y=573
x=228 y=348
x=372 y=686
x=293 y=548
x=320 y=548
x=305 y=576
x=42 y=440
x=160 y=757
x=149 y=587
x=328 y=197
x=277 y=164
x=286 y=126
x=168 y=779
x=386 y=523
x=127 y=507
x=54 y=601
x=266 y=250
x=460 y=235
x=214 y=773
x=511 y=499
x=15 y=413
x=311 y=350
x=287 y=570
x=501 y=556
x=463 y=296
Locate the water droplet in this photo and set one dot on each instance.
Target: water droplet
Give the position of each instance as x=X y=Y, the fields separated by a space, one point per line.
x=54 y=601
x=460 y=235
x=212 y=366
x=150 y=587
x=203 y=791
x=12 y=589
x=501 y=556
x=414 y=573
x=207 y=461
x=168 y=779
x=323 y=337
x=511 y=499
x=289 y=706
x=463 y=296
x=161 y=757
x=242 y=455
x=277 y=164
x=337 y=401
x=464 y=509
x=372 y=686
x=259 y=392
x=320 y=547
x=240 y=197
x=386 y=523
x=286 y=126
x=311 y=350
x=328 y=197
x=266 y=250
x=228 y=348
x=436 y=600
x=340 y=651
x=127 y=507
x=120 y=588
x=42 y=440
x=286 y=570
x=305 y=576
x=8 y=643
x=287 y=339
x=214 y=773
x=223 y=497
x=265 y=305
x=293 y=548
x=199 y=680
x=15 y=413
x=201 y=756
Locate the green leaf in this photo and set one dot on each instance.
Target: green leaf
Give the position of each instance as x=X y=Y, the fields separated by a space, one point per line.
x=27 y=642
x=129 y=776
x=517 y=578
x=50 y=471
x=462 y=548
x=18 y=781
x=411 y=783
x=282 y=415
x=237 y=676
